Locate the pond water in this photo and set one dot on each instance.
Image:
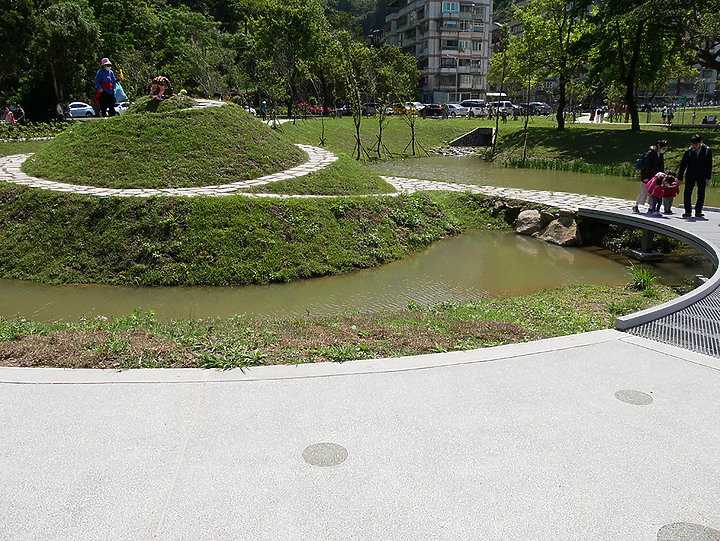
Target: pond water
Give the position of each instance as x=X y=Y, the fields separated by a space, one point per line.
x=470 y=267
x=473 y=170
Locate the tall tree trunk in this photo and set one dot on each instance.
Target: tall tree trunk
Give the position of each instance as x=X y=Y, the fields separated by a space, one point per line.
x=560 y=116
x=56 y=87
x=627 y=73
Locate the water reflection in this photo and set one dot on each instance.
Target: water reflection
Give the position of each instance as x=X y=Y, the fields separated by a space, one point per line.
x=467 y=268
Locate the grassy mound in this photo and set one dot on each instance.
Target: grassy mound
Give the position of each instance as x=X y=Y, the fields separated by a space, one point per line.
x=343 y=177
x=151 y=105
x=176 y=149
x=63 y=238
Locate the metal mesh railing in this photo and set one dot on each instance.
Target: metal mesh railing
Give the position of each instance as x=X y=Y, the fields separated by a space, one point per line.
x=696 y=327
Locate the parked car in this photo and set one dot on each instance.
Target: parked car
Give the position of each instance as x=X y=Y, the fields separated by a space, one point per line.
x=414 y=106
x=502 y=106
x=345 y=110
x=370 y=109
x=475 y=108
x=121 y=107
x=79 y=109
x=540 y=108
x=455 y=109
x=431 y=109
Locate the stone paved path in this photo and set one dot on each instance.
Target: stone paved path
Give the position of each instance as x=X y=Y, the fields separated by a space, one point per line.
x=318 y=158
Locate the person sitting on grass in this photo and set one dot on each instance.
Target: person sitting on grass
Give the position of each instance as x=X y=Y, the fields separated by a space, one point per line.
x=161 y=85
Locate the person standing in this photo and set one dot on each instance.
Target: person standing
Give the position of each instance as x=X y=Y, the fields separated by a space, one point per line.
x=696 y=169
x=653 y=163
x=59 y=113
x=20 y=116
x=105 y=82
x=9 y=118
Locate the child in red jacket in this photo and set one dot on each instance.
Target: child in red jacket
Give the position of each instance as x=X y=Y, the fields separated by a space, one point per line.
x=663 y=187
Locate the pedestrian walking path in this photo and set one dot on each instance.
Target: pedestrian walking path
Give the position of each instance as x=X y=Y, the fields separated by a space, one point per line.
x=318 y=158
x=10 y=171
x=588 y=437
x=693 y=320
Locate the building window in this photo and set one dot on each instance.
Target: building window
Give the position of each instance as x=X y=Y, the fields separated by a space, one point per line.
x=477 y=46
x=464 y=44
x=447 y=62
x=451 y=7
x=449 y=44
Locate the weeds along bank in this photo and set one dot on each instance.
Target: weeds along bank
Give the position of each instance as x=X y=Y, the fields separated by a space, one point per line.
x=62 y=238
x=141 y=341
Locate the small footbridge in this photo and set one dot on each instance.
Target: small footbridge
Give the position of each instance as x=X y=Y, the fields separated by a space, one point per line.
x=693 y=320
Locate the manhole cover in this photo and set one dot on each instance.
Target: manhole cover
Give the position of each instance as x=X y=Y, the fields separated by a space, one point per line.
x=638 y=398
x=325 y=454
x=685 y=531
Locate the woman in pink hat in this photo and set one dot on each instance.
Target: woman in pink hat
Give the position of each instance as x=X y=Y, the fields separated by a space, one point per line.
x=105 y=83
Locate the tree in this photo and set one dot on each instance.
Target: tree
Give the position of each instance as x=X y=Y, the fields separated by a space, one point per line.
x=16 y=32
x=632 y=43
x=67 y=44
x=288 y=37
x=701 y=24
x=552 y=32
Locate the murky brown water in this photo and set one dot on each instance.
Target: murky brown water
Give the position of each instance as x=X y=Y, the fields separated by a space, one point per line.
x=473 y=170
x=474 y=265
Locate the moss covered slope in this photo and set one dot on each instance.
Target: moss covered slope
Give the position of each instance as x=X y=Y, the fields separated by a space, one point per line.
x=176 y=149
x=61 y=238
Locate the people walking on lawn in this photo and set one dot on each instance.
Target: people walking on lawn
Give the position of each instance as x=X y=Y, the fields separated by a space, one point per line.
x=695 y=170
x=653 y=163
x=105 y=82
x=659 y=187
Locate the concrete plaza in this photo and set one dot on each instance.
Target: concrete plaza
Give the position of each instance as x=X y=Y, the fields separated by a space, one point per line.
x=589 y=437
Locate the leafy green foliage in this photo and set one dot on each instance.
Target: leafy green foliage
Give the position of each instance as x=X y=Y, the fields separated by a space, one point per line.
x=61 y=238
x=642 y=278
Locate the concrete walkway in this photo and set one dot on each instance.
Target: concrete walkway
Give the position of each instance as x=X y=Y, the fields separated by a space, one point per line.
x=590 y=437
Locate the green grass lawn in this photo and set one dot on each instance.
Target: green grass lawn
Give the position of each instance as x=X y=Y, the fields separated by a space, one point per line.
x=177 y=149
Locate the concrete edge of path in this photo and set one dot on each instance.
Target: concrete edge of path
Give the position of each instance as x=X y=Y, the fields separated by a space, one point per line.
x=69 y=376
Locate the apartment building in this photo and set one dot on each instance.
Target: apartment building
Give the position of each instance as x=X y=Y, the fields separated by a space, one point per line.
x=451 y=41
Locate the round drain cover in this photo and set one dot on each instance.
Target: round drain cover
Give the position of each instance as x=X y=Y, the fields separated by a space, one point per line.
x=685 y=531
x=325 y=454
x=637 y=398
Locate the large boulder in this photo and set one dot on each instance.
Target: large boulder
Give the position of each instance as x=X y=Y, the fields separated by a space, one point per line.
x=528 y=222
x=563 y=231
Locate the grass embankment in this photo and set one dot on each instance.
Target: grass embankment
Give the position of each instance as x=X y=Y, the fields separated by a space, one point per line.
x=584 y=147
x=64 y=238
x=342 y=177
x=176 y=149
x=140 y=341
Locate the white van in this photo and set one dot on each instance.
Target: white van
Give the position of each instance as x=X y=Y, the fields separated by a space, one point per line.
x=475 y=108
x=500 y=106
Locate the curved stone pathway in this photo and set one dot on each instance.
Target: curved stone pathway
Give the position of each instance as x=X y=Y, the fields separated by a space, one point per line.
x=10 y=171
x=318 y=158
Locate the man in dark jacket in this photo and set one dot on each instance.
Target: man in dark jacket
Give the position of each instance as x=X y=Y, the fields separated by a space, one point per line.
x=696 y=169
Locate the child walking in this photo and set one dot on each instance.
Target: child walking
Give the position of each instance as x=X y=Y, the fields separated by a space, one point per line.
x=657 y=187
